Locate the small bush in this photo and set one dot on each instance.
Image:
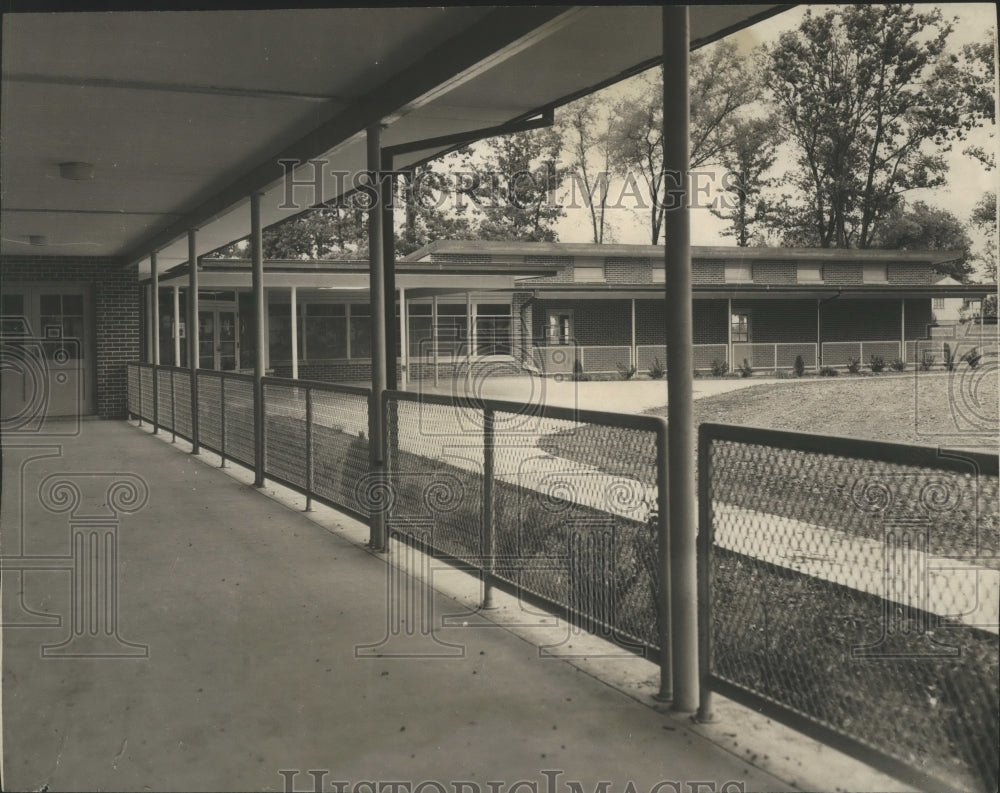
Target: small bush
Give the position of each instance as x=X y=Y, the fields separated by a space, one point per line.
x=853 y=365
x=973 y=357
x=625 y=372
x=927 y=361
x=897 y=365
x=579 y=375
x=657 y=370
x=745 y=368
x=800 y=366
x=877 y=363
x=719 y=368
x=949 y=357
x=828 y=371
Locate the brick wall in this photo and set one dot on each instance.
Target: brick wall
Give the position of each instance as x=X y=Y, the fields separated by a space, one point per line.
x=911 y=273
x=620 y=270
x=564 y=263
x=595 y=322
x=842 y=273
x=774 y=272
x=708 y=271
x=114 y=306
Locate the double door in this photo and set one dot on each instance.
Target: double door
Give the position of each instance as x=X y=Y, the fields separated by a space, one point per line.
x=46 y=358
x=218 y=339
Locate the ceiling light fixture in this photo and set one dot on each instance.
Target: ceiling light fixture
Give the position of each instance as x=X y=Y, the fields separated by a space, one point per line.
x=77 y=171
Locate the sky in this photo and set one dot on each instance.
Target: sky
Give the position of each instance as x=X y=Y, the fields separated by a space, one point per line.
x=967 y=182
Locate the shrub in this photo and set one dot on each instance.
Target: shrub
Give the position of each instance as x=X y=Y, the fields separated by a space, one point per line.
x=745 y=368
x=625 y=372
x=800 y=366
x=877 y=363
x=853 y=365
x=579 y=375
x=927 y=361
x=972 y=357
x=828 y=371
x=657 y=370
x=897 y=365
x=719 y=368
x=949 y=357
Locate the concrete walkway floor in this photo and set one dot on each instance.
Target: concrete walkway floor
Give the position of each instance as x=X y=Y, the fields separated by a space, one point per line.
x=235 y=652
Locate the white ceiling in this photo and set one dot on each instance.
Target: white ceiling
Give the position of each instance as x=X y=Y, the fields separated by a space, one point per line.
x=183 y=114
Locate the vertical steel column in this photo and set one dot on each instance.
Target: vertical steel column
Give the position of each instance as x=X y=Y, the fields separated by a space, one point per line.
x=680 y=431
x=148 y=323
x=404 y=341
x=486 y=538
x=819 y=337
x=260 y=307
x=434 y=336
x=729 y=334
x=635 y=350
x=193 y=334
x=295 y=333
x=468 y=337
x=386 y=185
x=902 y=328
x=377 y=299
x=154 y=285
x=173 y=409
x=177 y=326
x=222 y=419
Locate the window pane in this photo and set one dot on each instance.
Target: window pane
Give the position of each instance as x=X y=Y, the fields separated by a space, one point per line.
x=50 y=304
x=73 y=304
x=326 y=310
x=500 y=309
x=361 y=338
x=13 y=305
x=326 y=337
x=361 y=310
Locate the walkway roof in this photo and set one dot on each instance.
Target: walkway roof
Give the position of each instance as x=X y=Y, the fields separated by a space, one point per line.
x=183 y=114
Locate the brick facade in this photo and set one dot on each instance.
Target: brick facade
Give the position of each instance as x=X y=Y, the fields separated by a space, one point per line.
x=115 y=312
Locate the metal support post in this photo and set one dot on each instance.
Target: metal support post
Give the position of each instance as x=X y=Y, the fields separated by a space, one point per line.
x=154 y=286
x=193 y=335
x=486 y=540
x=681 y=493
x=260 y=307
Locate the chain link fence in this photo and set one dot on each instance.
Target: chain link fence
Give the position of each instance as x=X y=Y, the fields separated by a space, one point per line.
x=852 y=589
x=469 y=479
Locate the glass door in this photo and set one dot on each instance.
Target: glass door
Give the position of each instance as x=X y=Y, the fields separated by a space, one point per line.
x=218 y=339
x=46 y=366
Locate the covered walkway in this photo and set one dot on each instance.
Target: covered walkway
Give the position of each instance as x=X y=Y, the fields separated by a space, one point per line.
x=238 y=622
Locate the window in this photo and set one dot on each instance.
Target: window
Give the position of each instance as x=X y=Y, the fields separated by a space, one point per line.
x=421 y=342
x=360 y=325
x=738 y=272
x=938 y=303
x=325 y=331
x=740 y=327
x=279 y=327
x=62 y=318
x=493 y=329
x=588 y=273
x=875 y=273
x=560 y=327
x=809 y=273
x=452 y=331
x=659 y=275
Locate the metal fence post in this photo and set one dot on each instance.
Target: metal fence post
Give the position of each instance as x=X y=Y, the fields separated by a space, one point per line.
x=666 y=692
x=222 y=418
x=376 y=459
x=309 y=450
x=156 y=398
x=173 y=409
x=140 y=395
x=260 y=433
x=706 y=538
x=486 y=539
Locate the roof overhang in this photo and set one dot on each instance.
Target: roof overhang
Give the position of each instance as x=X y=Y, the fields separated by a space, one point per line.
x=180 y=136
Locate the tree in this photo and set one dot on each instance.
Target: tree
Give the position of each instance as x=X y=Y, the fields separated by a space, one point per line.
x=424 y=197
x=984 y=218
x=721 y=83
x=869 y=100
x=587 y=127
x=747 y=160
x=512 y=188
x=926 y=228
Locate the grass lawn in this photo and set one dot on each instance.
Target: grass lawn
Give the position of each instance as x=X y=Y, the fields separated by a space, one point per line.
x=956 y=410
